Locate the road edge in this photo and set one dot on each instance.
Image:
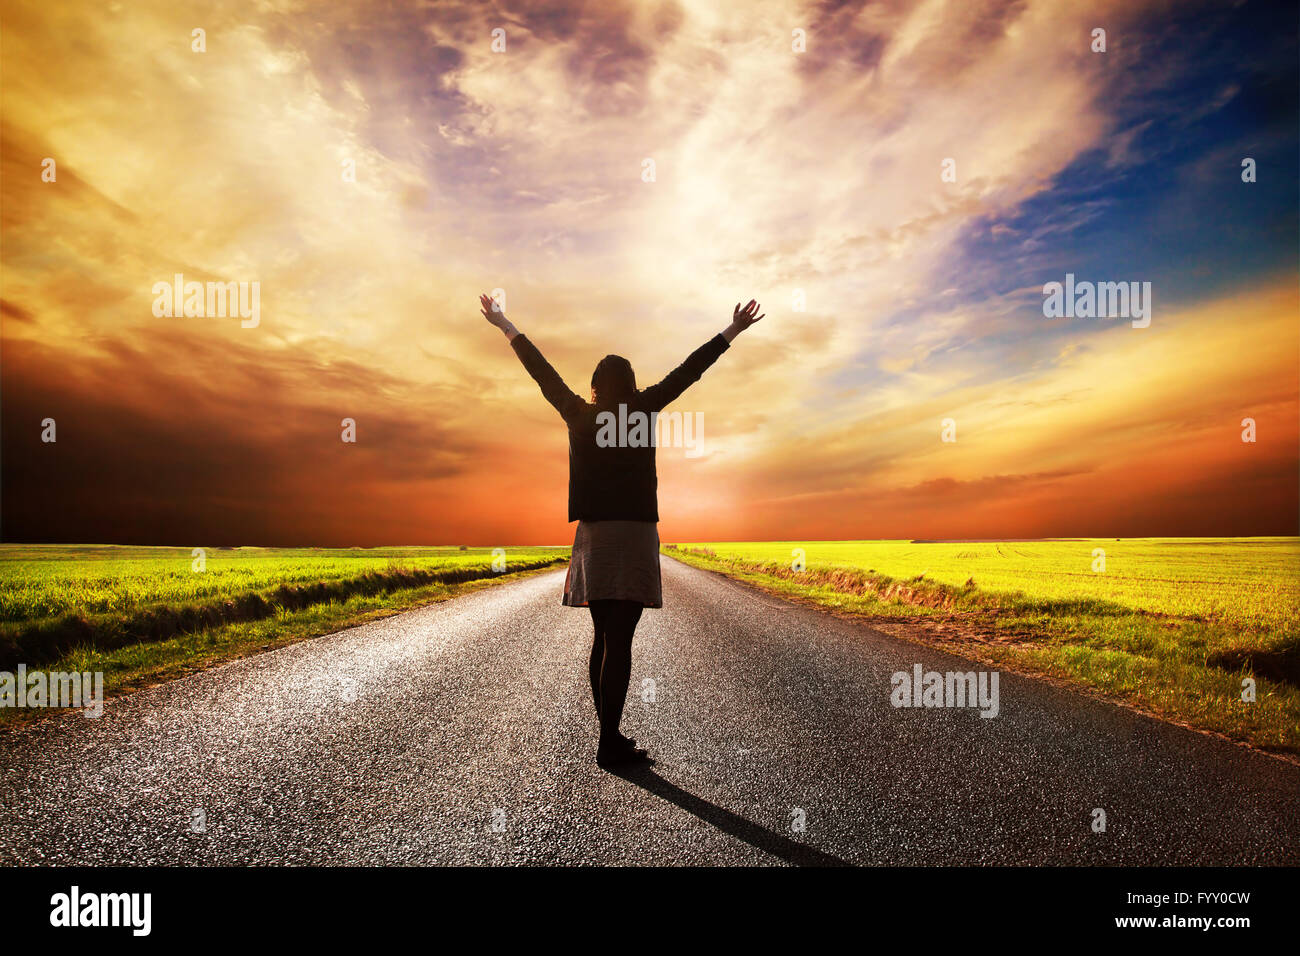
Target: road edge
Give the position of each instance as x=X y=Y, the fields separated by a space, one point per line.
x=904 y=630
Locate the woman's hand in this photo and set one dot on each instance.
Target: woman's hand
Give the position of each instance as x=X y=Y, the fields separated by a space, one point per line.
x=742 y=319
x=745 y=317
x=493 y=313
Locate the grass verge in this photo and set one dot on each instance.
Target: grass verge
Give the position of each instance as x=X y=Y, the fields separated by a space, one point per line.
x=131 y=666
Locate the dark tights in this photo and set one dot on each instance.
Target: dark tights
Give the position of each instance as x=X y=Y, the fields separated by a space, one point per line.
x=611 y=661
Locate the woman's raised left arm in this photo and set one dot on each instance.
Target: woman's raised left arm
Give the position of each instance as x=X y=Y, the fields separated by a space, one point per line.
x=553 y=388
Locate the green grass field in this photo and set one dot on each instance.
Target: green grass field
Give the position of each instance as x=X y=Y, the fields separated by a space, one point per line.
x=146 y=614
x=1171 y=626
x=42 y=581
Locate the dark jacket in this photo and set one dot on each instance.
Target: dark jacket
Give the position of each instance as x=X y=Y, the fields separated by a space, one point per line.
x=613 y=483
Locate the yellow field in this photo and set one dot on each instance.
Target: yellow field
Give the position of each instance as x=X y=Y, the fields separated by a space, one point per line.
x=1247 y=582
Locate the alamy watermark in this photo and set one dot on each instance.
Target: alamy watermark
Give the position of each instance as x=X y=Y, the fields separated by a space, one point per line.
x=923 y=688
x=209 y=299
x=53 y=689
x=1098 y=300
x=75 y=908
x=638 y=429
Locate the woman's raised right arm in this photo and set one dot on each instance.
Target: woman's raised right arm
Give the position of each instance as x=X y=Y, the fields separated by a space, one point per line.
x=689 y=372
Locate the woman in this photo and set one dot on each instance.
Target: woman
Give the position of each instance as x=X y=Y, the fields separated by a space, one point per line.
x=614 y=569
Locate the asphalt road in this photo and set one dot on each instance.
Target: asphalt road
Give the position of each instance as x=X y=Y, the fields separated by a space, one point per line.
x=464 y=733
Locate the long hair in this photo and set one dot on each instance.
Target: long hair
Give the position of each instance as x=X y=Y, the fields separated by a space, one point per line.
x=613 y=381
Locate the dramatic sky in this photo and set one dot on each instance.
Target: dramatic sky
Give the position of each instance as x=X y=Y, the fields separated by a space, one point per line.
x=776 y=173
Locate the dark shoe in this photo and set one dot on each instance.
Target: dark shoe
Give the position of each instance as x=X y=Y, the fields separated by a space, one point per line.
x=621 y=741
x=618 y=756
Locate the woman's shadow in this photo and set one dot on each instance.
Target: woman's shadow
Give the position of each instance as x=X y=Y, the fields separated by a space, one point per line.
x=769 y=841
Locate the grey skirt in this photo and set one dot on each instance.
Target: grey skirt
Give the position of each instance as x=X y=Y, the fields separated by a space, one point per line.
x=614 y=560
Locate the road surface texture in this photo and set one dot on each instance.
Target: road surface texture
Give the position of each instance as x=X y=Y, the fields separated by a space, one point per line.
x=464 y=733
